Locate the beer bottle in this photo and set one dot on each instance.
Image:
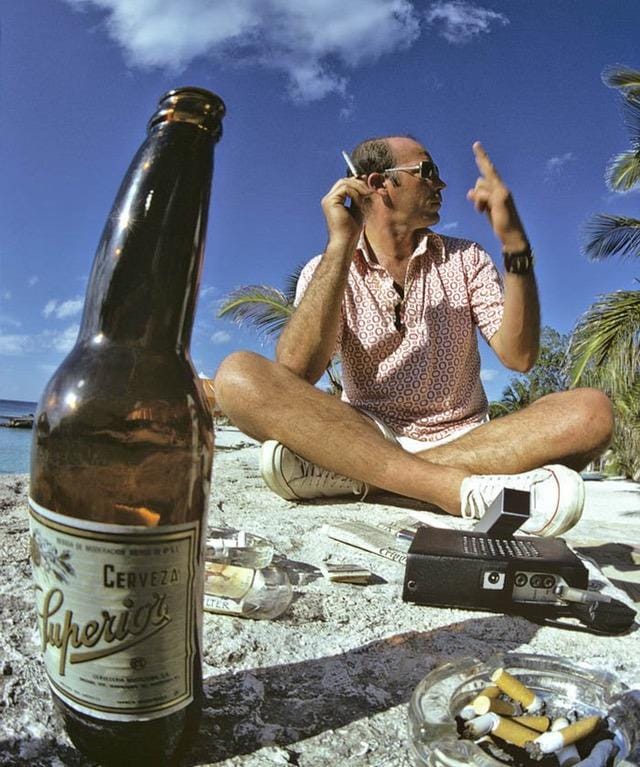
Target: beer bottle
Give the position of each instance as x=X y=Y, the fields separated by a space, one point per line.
x=121 y=463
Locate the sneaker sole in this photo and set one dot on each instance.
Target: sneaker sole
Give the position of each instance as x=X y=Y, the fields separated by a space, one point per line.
x=270 y=458
x=560 y=523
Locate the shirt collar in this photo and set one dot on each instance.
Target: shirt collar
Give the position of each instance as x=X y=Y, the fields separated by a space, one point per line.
x=428 y=241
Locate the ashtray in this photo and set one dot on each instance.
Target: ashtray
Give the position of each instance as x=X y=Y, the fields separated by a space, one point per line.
x=443 y=693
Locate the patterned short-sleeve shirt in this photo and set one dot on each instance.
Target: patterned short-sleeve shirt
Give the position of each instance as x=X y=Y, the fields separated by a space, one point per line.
x=423 y=379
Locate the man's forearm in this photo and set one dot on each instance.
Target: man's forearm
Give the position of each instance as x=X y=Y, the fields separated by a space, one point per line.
x=518 y=339
x=309 y=338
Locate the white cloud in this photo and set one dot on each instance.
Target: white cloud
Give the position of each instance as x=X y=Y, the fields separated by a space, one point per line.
x=32 y=280
x=5 y=319
x=314 y=43
x=62 y=309
x=207 y=290
x=554 y=165
x=220 y=337
x=14 y=343
x=459 y=22
x=487 y=374
x=6 y=296
x=448 y=227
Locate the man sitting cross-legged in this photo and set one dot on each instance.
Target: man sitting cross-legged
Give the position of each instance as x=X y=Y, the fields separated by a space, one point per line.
x=401 y=305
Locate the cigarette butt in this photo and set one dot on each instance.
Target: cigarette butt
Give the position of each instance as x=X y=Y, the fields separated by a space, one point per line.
x=481 y=725
x=513 y=732
x=560 y=723
x=515 y=689
x=539 y=723
x=493 y=691
x=549 y=742
x=468 y=712
x=483 y=705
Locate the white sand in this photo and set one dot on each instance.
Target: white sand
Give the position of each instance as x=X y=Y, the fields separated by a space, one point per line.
x=327 y=683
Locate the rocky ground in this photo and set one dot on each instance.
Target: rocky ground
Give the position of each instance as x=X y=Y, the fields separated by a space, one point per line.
x=329 y=681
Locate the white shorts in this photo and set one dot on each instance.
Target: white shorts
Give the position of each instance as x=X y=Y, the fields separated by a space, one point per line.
x=415 y=445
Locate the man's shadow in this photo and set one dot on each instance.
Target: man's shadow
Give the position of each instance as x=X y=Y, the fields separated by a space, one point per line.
x=280 y=705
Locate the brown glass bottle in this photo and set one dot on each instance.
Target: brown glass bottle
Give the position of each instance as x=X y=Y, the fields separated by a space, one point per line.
x=121 y=463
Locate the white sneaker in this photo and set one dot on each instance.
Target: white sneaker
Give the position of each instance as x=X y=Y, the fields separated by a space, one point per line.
x=293 y=478
x=557 y=497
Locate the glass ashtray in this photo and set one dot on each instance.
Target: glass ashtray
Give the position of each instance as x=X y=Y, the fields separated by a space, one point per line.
x=441 y=695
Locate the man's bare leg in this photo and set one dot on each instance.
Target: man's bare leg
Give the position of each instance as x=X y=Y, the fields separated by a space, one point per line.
x=267 y=401
x=571 y=428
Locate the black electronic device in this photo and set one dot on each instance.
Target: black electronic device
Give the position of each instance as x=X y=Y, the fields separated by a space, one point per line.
x=492 y=570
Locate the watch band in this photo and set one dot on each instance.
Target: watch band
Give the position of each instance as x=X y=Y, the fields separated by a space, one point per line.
x=519 y=263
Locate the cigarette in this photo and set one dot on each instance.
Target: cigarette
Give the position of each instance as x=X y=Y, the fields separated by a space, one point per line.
x=515 y=689
x=512 y=732
x=560 y=723
x=550 y=742
x=539 y=723
x=481 y=725
x=509 y=731
x=349 y=162
x=569 y=755
x=483 y=705
x=468 y=712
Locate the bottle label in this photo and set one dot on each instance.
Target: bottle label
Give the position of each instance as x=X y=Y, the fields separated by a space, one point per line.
x=116 y=609
x=224 y=580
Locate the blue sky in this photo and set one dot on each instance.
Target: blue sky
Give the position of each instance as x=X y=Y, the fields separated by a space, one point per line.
x=302 y=79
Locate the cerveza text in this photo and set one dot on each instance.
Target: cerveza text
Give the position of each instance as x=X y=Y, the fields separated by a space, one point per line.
x=135 y=579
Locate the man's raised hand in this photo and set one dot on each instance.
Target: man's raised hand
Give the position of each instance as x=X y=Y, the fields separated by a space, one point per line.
x=491 y=196
x=345 y=222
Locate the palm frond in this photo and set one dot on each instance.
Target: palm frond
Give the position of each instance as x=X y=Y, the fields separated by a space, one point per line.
x=628 y=403
x=623 y=171
x=619 y=76
x=609 y=331
x=632 y=119
x=262 y=306
x=606 y=235
x=292 y=283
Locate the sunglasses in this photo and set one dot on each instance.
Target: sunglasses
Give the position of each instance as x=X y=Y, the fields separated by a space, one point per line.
x=426 y=169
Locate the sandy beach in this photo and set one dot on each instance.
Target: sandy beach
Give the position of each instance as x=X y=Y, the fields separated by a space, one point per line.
x=328 y=682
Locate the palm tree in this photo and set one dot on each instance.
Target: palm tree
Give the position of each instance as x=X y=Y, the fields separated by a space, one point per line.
x=268 y=309
x=605 y=345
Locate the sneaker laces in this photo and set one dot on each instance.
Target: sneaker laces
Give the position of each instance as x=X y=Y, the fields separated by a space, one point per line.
x=488 y=486
x=319 y=476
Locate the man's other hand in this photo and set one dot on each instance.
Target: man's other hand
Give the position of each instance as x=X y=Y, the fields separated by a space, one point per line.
x=491 y=196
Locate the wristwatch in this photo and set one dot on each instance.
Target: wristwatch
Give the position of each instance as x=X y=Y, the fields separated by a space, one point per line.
x=520 y=262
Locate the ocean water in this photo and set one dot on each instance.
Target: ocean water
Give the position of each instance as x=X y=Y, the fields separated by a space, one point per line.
x=15 y=444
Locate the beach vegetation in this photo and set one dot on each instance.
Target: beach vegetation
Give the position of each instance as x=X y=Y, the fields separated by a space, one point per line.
x=267 y=310
x=547 y=376
x=605 y=344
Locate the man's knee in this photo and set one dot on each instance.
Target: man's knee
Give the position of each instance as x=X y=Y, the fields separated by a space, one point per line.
x=596 y=413
x=236 y=374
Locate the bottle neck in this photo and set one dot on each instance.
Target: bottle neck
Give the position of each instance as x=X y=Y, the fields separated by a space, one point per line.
x=146 y=273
